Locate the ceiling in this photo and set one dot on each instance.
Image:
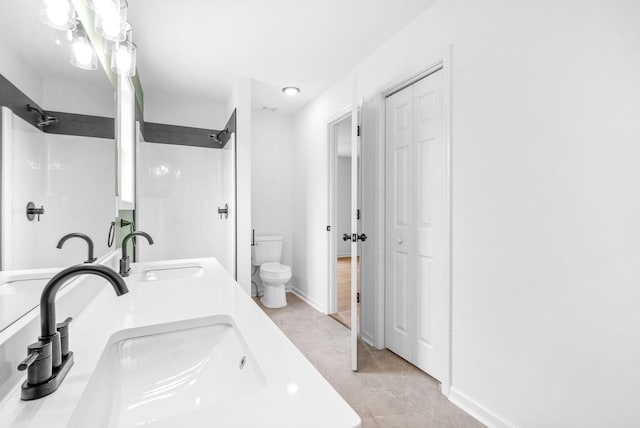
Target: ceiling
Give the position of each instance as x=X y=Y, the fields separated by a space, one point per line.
x=195 y=48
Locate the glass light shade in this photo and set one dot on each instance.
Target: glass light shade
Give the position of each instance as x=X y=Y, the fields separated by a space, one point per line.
x=58 y=14
x=291 y=91
x=82 y=54
x=123 y=59
x=111 y=19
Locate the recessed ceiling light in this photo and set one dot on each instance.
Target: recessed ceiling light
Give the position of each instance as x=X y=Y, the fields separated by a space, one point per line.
x=291 y=90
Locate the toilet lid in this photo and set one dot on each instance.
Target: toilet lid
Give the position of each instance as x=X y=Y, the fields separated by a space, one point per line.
x=274 y=268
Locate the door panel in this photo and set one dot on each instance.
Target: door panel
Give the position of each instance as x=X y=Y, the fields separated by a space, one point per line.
x=430 y=225
x=416 y=230
x=399 y=134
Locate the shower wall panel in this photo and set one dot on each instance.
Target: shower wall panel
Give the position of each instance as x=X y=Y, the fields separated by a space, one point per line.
x=180 y=189
x=71 y=177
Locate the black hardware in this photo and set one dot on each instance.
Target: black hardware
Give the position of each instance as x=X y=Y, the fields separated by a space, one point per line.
x=328 y=228
x=253 y=237
x=358 y=297
x=90 y=258
x=38 y=363
x=45 y=119
x=357 y=214
x=124 y=261
x=63 y=329
x=224 y=211
x=354 y=237
x=358 y=130
x=112 y=234
x=32 y=211
x=49 y=360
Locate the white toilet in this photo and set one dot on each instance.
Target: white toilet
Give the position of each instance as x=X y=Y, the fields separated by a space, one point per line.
x=266 y=253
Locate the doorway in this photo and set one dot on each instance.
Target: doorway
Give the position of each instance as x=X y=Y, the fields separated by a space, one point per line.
x=340 y=168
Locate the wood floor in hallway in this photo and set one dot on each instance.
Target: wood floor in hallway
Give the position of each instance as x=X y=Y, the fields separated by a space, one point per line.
x=386 y=392
x=343 y=274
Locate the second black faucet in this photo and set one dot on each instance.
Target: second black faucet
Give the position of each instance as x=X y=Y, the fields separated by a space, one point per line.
x=124 y=261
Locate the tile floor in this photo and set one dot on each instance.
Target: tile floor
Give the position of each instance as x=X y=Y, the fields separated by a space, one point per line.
x=386 y=391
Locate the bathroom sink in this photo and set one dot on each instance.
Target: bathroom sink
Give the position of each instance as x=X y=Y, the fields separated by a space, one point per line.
x=178 y=374
x=172 y=272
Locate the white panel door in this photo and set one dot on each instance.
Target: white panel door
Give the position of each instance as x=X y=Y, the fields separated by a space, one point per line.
x=399 y=218
x=416 y=226
x=431 y=231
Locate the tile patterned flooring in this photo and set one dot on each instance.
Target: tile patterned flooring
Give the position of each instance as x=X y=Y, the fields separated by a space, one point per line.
x=386 y=392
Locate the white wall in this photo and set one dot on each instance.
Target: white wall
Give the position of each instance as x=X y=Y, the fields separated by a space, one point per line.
x=546 y=238
x=272 y=208
x=94 y=97
x=343 y=207
x=185 y=111
x=72 y=177
x=15 y=69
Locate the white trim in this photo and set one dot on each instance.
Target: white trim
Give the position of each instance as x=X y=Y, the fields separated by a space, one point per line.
x=478 y=411
x=332 y=245
x=405 y=83
x=6 y=169
x=440 y=61
x=308 y=300
x=379 y=282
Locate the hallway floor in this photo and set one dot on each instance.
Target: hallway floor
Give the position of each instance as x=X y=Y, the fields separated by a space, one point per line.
x=343 y=285
x=387 y=391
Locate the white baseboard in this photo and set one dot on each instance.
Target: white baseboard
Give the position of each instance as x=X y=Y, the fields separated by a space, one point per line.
x=305 y=297
x=478 y=411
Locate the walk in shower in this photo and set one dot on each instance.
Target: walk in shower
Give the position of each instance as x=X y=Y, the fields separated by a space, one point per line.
x=187 y=196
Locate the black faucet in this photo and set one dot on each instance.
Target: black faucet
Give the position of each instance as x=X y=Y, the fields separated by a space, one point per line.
x=90 y=258
x=49 y=359
x=124 y=261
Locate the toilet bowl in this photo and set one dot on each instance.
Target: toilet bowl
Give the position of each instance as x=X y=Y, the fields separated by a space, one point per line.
x=274 y=276
x=266 y=253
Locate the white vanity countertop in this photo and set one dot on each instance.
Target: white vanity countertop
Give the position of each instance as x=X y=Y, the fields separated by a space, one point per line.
x=298 y=395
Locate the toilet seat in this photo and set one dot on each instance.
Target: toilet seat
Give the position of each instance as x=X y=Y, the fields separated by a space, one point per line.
x=274 y=272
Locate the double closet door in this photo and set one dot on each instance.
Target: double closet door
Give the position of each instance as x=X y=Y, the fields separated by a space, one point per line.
x=417 y=226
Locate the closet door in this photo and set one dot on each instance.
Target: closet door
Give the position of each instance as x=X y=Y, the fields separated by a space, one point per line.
x=399 y=270
x=430 y=226
x=416 y=226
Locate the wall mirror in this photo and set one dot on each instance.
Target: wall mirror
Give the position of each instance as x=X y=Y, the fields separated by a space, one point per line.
x=57 y=158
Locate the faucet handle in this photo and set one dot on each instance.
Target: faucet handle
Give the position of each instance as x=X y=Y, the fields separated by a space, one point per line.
x=63 y=329
x=38 y=363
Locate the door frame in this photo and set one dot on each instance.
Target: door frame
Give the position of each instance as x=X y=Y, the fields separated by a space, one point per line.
x=439 y=62
x=332 y=214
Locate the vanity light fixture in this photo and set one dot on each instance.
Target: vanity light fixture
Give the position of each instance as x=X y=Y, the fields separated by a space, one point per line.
x=291 y=91
x=82 y=54
x=111 y=19
x=58 y=14
x=123 y=57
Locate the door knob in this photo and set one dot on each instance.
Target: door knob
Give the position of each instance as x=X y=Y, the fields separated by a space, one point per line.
x=399 y=240
x=346 y=237
x=362 y=237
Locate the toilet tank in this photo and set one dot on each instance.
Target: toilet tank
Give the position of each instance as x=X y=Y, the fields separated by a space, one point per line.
x=266 y=249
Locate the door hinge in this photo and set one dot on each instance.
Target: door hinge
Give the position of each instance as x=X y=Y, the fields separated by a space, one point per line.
x=357 y=214
x=328 y=228
x=358 y=130
x=358 y=297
